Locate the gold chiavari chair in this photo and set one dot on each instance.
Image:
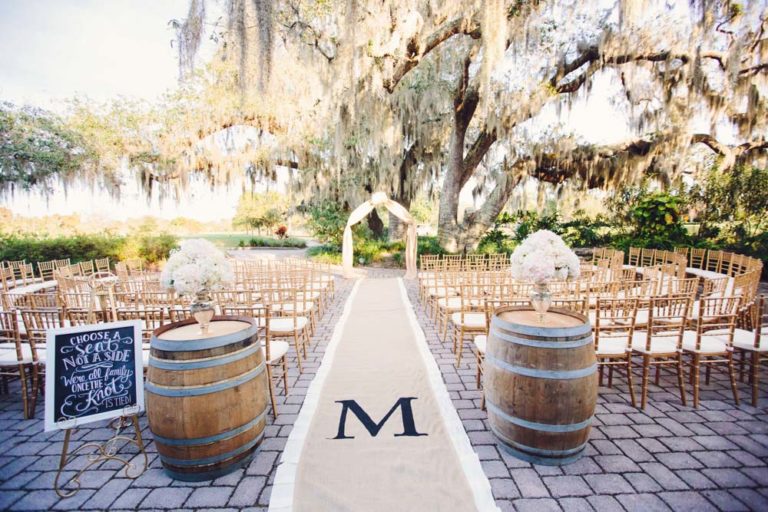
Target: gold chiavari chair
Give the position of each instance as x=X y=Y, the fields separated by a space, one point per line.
x=44 y=300
x=287 y=322
x=152 y=318
x=45 y=269
x=7 y=278
x=711 y=343
x=102 y=265
x=38 y=321
x=121 y=271
x=714 y=261
x=633 y=258
x=469 y=320
x=26 y=272
x=647 y=257
x=13 y=300
x=614 y=330
x=660 y=342
x=697 y=258
x=274 y=351
x=449 y=301
x=87 y=268
x=62 y=263
x=18 y=268
x=751 y=341
x=17 y=358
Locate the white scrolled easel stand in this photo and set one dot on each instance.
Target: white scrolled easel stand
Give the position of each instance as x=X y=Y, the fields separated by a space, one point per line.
x=381 y=199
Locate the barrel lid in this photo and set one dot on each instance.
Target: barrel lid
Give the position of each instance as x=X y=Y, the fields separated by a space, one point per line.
x=557 y=322
x=192 y=331
x=531 y=318
x=185 y=335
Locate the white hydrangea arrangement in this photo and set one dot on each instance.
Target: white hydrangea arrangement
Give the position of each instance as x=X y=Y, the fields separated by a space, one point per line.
x=542 y=257
x=196 y=266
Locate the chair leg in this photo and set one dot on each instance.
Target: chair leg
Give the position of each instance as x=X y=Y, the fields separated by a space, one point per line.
x=600 y=374
x=732 y=374
x=271 y=390
x=285 y=375
x=460 y=346
x=707 y=374
x=479 y=363
x=754 y=371
x=680 y=377
x=24 y=391
x=644 y=390
x=657 y=376
x=35 y=390
x=610 y=376
x=742 y=364
x=696 y=369
x=298 y=350
x=629 y=380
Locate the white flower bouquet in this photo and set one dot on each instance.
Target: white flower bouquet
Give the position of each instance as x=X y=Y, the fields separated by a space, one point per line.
x=542 y=257
x=195 y=267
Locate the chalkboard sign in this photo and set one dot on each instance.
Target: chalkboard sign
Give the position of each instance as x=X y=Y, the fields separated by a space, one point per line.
x=93 y=372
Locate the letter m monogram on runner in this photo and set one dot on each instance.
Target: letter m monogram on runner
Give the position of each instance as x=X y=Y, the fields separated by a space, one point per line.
x=373 y=428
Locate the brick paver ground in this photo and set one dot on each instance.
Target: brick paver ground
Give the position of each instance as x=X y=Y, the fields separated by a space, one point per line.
x=668 y=457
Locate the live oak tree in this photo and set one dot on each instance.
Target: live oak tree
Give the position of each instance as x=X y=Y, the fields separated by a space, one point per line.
x=424 y=94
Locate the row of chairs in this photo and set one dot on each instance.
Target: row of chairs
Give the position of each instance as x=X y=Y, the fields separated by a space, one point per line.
x=285 y=300
x=463 y=299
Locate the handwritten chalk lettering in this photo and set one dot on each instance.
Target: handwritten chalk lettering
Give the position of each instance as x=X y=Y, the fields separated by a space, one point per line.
x=96 y=372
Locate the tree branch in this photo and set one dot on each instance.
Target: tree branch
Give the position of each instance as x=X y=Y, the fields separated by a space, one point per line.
x=454 y=27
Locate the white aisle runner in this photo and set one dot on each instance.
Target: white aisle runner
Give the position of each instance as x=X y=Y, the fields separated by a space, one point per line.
x=378 y=431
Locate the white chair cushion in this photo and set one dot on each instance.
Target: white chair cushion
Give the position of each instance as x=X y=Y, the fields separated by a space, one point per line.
x=300 y=308
x=480 y=342
x=286 y=325
x=706 y=274
x=612 y=346
x=450 y=302
x=659 y=345
x=8 y=356
x=712 y=342
x=472 y=320
x=745 y=340
x=277 y=349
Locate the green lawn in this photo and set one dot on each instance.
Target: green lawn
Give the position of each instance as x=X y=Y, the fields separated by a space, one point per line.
x=231 y=240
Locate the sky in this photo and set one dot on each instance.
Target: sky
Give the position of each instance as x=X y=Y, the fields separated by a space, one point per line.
x=54 y=49
x=51 y=50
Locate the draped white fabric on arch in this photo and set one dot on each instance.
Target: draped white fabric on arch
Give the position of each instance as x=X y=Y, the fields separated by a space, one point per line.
x=381 y=199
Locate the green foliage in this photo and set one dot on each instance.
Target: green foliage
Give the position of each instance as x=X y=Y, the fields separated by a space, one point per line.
x=327 y=221
x=152 y=248
x=325 y=254
x=257 y=211
x=35 y=145
x=262 y=241
x=657 y=221
x=530 y=221
x=737 y=198
x=583 y=231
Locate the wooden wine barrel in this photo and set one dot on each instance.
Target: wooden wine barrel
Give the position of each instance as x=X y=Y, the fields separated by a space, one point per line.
x=540 y=383
x=206 y=396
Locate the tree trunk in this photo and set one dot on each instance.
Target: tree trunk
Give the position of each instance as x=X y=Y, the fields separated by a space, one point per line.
x=397 y=227
x=375 y=224
x=448 y=229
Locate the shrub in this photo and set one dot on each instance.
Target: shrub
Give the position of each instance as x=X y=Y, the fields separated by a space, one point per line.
x=327 y=221
x=152 y=248
x=325 y=254
x=262 y=241
x=281 y=232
